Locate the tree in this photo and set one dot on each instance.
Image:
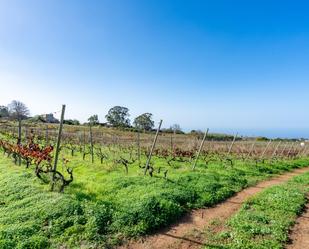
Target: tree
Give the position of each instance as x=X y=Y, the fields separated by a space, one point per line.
x=144 y=121
x=93 y=119
x=4 y=112
x=118 y=116
x=18 y=110
x=176 y=128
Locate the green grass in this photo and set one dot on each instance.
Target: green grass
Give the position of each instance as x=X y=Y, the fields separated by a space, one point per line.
x=104 y=205
x=264 y=221
x=32 y=217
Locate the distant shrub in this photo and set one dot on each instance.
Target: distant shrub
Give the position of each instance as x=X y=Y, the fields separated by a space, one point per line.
x=261 y=139
x=71 y=122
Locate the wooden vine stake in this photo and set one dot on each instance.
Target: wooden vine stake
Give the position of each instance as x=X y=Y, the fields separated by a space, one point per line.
x=266 y=148
x=19 y=138
x=290 y=149
x=304 y=152
x=91 y=142
x=138 y=147
x=232 y=144
x=200 y=149
x=173 y=135
x=152 y=147
x=58 y=147
x=251 y=150
x=84 y=143
x=46 y=134
x=275 y=151
x=283 y=150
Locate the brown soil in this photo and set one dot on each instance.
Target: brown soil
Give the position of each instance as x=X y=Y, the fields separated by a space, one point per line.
x=300 y=233
x=188 y=232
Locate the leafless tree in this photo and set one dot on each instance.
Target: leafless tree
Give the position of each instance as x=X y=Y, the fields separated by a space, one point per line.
x=18 y=110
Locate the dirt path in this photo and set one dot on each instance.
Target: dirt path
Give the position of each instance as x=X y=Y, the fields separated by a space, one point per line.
x=300 y=232
x=188 y=232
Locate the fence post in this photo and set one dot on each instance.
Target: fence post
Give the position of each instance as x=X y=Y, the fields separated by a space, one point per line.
x=303 y=153
x=267 y=146
x=138 y=147
x=291 y=147
x=58 y=146
x=173 y=135
x=152 y=147
x=26 y=133
x=283 y=150
x=295 y=149
x=91 y=142
x=275 y=151
x=251 y=149
x=46 y=134
x=200 y=149
x=232 y=144
x=84 y=142
x=19 y=139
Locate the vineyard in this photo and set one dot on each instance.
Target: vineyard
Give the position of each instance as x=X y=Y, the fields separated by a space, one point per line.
x=154 y=124
x=104 y=193
x=264 y=220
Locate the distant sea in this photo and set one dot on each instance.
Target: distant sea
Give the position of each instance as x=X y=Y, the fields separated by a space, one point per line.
x=270 y=133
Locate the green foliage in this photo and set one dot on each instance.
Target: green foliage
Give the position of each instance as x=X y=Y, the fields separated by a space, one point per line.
x=36 y=119
x=104 y=204
x=4 y=112
x=175 y=128
x=71 y=122
x=94 y=119
x=261 y=139
x=264 y=220
x=118 y=116
x=99 y=217
x=146 y=215
x=7 y=244
x=144 y=122
x=35 y=218
x=34 y=242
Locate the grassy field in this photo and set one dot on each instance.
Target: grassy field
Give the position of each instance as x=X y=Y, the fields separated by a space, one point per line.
x=264 y=220
x=104 y=205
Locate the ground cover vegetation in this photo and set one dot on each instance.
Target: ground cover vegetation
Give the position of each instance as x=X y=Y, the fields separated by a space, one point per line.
x=265 y=219
x=100 y=194
x=111 y=199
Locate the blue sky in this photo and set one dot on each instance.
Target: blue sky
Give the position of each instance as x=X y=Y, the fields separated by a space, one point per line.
x=227 y=65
